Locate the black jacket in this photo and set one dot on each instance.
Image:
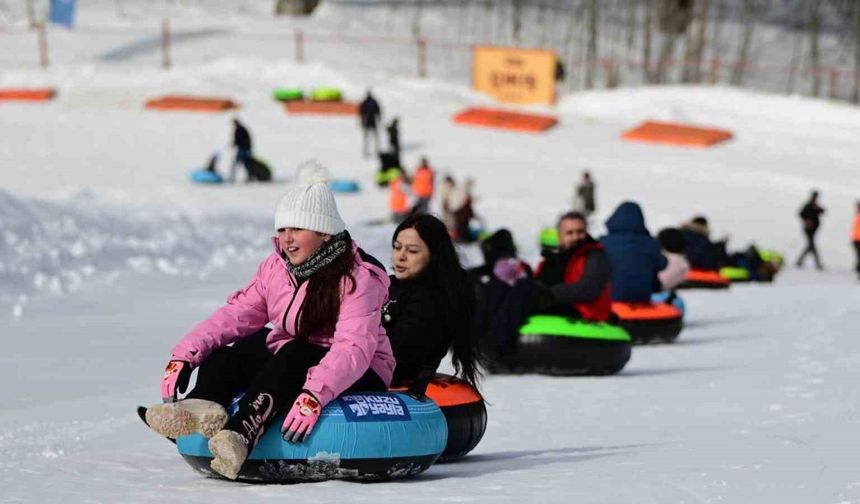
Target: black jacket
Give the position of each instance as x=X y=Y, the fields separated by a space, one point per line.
x=416 y=328
x=241 y=137
x=810 y=214
x=370 y=112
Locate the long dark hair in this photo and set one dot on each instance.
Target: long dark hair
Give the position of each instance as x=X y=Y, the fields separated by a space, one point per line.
x=451 y=286
x=321 y=307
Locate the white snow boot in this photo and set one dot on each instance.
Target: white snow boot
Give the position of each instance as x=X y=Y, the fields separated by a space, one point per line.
x=230 y=453
x=186 y=417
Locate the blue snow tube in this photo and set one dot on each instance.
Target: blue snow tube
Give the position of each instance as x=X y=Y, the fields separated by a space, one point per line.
x=663 y=297
x=343 y=186
x=360 y=437
x=206 y=177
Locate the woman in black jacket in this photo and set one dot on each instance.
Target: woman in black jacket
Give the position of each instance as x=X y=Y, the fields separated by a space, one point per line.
x=431 y=303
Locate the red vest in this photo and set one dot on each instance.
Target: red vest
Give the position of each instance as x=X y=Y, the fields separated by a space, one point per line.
x=599 y=308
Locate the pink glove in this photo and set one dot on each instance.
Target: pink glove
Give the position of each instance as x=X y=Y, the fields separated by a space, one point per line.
x=301 y=419
x=175 y=374
x=509 y=270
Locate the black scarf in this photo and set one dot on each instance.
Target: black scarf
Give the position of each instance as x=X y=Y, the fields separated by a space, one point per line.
x=328 y=252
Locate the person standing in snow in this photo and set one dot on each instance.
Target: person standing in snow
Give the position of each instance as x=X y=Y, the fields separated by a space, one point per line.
x=855 y=236
x=393 y=130
x=369 y=114
x=431 y=304
x=584 y=201
x=635 y=256
x=242 y=143
x=398 y=198
x=422 y=186
x=323 y=296
x=810 y=217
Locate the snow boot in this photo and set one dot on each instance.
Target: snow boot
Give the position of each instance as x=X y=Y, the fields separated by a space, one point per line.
x=186 y=417
x=230 y=452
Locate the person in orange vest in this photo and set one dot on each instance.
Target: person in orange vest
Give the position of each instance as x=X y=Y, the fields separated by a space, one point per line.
x=422 y=186
x=855 y=235
x=398 y=199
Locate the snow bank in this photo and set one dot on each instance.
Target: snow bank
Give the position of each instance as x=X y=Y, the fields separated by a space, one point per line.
x=53 y=247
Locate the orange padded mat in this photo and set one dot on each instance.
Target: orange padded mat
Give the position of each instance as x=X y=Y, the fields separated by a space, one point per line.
x=676 y=134
x=191 y=103
x=26 y=94
x=504 y=119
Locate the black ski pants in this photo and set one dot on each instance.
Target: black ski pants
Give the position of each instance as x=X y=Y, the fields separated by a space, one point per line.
x=271 y=382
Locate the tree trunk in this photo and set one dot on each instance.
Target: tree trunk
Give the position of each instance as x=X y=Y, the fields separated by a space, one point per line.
x=591 y=58
x=516 y=19
x=632 y=7
x=741 y=62
x=796 y=45
x=416 y=19
x=664 y=60
x=814 y=54
x=855 y=95
x=696 y=49
x=646 y=43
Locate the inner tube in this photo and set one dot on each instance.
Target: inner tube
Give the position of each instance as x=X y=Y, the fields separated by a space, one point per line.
x=735 y=274
x=359 y=437
x=676 y=300
x=771 y=256
x=702 y=279
x=326 y=94
x=548 y=237
x=288 y=94
x=558 y=345
x=465 y=412
x=649 y=322
x=206 y=177
x=343 y=186
x=383 y=177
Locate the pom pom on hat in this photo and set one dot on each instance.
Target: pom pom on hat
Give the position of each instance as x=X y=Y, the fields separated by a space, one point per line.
x=309 y=204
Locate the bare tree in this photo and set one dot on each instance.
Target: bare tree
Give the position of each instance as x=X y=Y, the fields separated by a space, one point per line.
x=646 y=42
x=741 y=62
x=591 y=57
x=695 y=48
x=516 y=19
x=855 y=95
x=814 y=54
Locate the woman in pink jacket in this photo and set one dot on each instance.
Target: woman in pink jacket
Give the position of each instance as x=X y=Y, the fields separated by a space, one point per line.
x=323 y=297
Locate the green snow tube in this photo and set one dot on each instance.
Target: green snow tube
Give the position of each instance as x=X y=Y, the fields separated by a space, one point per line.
x=326 y=94
x=549 y=237
x=288 y=94
x=771 y=256
x=735 y=274
x=383 y=178
x=557 y=345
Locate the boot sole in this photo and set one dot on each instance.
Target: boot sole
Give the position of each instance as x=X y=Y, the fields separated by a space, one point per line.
x=226 y=461
x=175 y=422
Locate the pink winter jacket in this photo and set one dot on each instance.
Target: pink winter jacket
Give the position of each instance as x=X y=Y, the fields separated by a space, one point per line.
x=675 y=273
x=359 y=341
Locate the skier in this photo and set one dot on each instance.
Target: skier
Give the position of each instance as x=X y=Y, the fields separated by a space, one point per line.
x=370 y=114
x=431 y=305
x=393 y=130
x=422 y=186
x=323 y=296
x=810 y=217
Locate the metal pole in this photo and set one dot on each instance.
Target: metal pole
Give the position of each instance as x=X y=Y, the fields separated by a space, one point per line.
x=422 y=57
x=43 y=45
x=300 y=46
x=165 y=43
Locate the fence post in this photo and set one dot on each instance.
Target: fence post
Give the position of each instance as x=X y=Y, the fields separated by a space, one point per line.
x=609 y=70
x=715 y=70
x=43 y=45
x=300 y=46
x=165 y=43
x=421 y=46
x=834 y=83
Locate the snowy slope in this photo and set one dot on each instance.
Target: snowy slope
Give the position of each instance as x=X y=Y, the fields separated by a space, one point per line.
x=108 y=255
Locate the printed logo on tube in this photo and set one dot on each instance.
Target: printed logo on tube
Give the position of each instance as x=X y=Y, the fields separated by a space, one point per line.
x=374 y=408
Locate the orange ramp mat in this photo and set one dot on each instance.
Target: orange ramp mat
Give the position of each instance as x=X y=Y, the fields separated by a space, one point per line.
x=27 y=94
x=504 y=119
x=323 y=108
x=191 y=103
x=676 y=134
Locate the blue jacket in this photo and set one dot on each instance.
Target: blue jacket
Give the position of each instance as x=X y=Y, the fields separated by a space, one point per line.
x=634 y=254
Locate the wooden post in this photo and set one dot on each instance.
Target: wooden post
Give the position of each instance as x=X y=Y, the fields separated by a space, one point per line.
x=165 y=43
x=609 y=70
x=300 y=46
x=421 y=45
x=715 y=70
x=834 y=83
x=43 y=45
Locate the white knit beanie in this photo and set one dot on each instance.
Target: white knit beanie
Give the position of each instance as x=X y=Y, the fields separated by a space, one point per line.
x=309 y=204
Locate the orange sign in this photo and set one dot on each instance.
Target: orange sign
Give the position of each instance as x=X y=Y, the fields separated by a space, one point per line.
x=521 y=76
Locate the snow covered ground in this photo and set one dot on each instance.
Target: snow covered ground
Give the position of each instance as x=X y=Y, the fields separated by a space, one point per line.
x=108 y=255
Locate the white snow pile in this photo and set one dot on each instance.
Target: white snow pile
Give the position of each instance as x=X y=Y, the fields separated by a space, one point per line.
x=53 y=246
